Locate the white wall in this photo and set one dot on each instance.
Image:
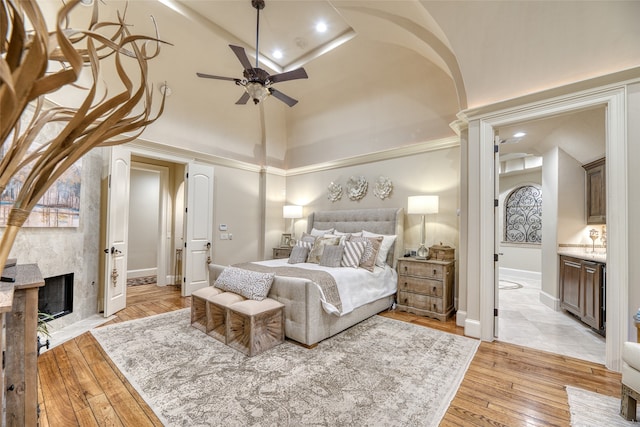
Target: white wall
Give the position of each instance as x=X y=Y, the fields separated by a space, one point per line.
x=144 y=211
x=523 y=257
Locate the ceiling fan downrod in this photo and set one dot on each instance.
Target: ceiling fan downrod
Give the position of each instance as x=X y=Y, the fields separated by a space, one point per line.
x=258 y=5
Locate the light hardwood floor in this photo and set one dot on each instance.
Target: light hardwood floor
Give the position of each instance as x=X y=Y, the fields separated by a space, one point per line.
x=505 y=385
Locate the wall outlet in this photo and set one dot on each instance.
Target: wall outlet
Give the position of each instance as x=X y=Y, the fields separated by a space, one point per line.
x=224 y=236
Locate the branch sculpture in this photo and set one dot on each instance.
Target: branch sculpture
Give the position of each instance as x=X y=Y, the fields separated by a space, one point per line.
x=25 y=78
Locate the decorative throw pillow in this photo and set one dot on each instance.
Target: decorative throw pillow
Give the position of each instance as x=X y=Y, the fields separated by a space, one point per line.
x=352 y=253
x=368 y=260
x=298 y=254
x=250 y=284
x=343 y=237
x=318 y=247
x=387 y=243
x=306 y=241
x=331 y=256
x=317 y=233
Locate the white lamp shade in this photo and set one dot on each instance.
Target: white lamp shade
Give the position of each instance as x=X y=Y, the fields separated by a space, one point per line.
x=422 y=205
x=291 y=211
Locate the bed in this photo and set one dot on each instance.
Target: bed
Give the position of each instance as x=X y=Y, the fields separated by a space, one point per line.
x=309 y=319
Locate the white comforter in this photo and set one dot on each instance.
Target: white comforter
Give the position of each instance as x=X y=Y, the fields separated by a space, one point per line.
x=356 y=286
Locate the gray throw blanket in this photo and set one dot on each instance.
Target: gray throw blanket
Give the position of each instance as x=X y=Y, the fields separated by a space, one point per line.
x=324 y=280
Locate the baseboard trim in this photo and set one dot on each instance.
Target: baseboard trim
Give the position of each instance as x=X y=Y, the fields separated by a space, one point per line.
x=550 y=301
x=143 y=272
x=472 y=328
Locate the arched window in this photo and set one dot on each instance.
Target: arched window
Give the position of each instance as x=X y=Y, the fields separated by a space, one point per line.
x=523 y=215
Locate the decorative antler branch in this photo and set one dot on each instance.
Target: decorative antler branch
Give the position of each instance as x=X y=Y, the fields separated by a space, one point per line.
x=98 y=121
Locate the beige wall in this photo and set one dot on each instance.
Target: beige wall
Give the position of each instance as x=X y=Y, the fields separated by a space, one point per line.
x=433 y=172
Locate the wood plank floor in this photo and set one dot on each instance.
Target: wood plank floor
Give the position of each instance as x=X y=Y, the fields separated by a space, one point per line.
x=505 y=385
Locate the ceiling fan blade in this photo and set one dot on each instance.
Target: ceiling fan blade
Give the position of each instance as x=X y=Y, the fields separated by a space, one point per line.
x=282 y=97
x=210 y=76
x=243 y=99
x=242 y=56
x=298 y=73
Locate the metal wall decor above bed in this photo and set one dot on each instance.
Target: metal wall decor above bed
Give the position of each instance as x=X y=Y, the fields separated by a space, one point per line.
x=383 y=187
x=357 y=187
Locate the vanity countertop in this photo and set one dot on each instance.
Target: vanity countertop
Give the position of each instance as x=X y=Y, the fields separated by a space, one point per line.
x=586 y=255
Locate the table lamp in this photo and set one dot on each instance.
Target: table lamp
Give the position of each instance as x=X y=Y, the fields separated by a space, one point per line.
x=422 y=205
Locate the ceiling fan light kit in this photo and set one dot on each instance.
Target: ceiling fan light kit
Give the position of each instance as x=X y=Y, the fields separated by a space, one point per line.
x=257 y=82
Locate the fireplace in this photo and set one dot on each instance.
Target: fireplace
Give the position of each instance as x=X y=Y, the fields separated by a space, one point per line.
x=55 y=298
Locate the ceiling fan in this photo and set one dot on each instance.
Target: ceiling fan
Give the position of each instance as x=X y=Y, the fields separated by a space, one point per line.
x=257 y=82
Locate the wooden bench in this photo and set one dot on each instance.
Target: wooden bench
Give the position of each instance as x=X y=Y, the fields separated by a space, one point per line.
x=248 y=326
x=217 y=314
x=199 y=306
x=255 y=326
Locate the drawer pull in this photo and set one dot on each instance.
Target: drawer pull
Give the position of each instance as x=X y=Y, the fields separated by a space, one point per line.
x=434 y=289
x=406 y=284
x=405 y=300
x=435 y=307
x=434 y=271
x=405 y=268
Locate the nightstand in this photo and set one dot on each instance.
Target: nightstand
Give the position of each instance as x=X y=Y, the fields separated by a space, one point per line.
x=281 y=252
x=425 y=287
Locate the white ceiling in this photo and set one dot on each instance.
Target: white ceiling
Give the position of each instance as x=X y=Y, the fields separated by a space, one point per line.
x=405 y=68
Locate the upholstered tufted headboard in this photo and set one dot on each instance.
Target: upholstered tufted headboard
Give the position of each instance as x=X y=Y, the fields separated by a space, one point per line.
x=380 y=221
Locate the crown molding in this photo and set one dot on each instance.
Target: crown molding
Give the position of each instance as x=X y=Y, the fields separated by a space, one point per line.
x=574 y=90
x=156 y=150
x=394 y=153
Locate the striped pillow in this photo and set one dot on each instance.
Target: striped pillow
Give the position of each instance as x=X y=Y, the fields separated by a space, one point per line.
x=352 y=253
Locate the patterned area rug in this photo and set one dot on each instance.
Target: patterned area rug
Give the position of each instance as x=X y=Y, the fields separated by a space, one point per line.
x=379 y=372
x=146 y=280
x=589 y=409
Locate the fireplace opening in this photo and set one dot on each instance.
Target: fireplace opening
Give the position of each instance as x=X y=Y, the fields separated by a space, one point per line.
x=55 y=298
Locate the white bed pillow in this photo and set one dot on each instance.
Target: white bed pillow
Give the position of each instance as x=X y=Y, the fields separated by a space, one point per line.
x=318 y=233
x=387 y=242
x=340 y=233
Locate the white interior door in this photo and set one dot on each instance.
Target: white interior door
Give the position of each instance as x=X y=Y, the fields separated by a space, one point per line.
x=198 y=227
x=115 y=280
x=497 y=234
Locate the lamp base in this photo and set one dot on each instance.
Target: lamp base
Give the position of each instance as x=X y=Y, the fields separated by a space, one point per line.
x=422 y=252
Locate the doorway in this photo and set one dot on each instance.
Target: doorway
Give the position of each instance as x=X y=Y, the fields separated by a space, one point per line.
x=529 y=313
x=479 y=194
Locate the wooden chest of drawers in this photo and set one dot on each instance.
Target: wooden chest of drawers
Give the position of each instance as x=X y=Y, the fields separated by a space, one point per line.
x=281 y=252
x=425 y=287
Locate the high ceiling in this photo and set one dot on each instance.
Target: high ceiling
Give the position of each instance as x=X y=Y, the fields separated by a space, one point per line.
x=385 y=74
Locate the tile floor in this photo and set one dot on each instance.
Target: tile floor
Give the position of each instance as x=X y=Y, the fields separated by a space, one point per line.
x=525 y=321
x=59 y=336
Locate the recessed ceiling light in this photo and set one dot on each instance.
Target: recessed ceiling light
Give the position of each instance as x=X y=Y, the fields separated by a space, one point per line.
x=277 y=54
x=321 y=27
x=86 y=2
x=519 y=134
